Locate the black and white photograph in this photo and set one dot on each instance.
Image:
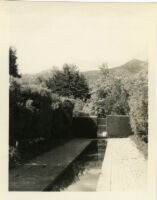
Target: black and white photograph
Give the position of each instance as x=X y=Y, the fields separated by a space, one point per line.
x=79 y=92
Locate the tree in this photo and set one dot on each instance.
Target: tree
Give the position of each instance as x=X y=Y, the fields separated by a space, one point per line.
x=69 y=82
x=13 y=70
x=104 y=69
x=109 y=95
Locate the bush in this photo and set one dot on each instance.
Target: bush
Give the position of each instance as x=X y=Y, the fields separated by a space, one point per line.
x=78 y=108
x=36 y=112
x=138 y=104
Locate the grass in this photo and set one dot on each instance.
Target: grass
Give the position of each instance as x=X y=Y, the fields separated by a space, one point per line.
x=140 y=144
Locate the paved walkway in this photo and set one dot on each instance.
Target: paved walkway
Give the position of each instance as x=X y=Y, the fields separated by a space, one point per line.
x=124 y=167
x=39 y=173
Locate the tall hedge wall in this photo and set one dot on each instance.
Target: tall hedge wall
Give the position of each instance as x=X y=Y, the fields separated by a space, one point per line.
x=85 y=127
x=36 y=112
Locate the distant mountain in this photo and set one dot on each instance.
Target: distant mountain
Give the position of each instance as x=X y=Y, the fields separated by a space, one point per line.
x=132 y=67
x=129 y=69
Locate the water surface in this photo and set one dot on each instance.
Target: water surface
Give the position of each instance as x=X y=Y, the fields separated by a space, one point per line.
x=83 y=173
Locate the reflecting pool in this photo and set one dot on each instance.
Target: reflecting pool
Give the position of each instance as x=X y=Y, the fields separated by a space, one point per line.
x=83 y=173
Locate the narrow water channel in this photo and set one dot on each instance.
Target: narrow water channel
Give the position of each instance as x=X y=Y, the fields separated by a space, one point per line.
x=83 y=173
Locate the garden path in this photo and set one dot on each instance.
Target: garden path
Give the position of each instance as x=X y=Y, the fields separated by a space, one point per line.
x=124 y=167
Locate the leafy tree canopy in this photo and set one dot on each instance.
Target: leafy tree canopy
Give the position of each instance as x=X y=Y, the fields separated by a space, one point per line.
x=69 y=82
x=109 y=95
x=13 y=70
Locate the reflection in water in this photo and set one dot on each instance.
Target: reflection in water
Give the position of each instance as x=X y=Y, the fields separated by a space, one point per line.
x=83 y=173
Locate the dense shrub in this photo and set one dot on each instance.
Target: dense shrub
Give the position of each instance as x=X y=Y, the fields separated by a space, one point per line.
x=36 y=112
x=138 y=104
x=78 y=108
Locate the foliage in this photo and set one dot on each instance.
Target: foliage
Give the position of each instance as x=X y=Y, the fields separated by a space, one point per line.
x=89 y=107
x=109 y=95
x=36 y=112
x=78 y=108
x=121 y=94
x=13 y=70
x=69 y=83
x=38 y=78
x=138 y=103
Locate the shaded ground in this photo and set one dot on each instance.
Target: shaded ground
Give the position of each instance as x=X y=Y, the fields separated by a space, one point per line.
x=124 y=167
x=29 y=149
x=40 y=172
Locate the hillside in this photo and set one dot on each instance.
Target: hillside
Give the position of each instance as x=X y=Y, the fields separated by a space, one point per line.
x=129 y=69
x=132 y=67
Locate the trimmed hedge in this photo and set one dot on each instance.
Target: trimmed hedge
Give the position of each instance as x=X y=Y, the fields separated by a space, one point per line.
x=118 y=126
x=35 y=112
x=85 y=127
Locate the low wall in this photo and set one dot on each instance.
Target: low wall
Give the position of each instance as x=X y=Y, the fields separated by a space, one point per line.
x=85 y=127
x=118 y=126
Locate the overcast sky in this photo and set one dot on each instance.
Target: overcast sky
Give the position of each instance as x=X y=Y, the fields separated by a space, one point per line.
x=51 y=34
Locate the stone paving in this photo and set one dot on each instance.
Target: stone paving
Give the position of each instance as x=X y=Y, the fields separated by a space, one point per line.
x=38 y=174
x=124 y=167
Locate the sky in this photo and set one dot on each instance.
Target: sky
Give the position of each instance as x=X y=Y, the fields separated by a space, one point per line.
x=87 y=35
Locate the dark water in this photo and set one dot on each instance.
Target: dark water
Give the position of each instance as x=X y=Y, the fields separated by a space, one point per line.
x=83 y=173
